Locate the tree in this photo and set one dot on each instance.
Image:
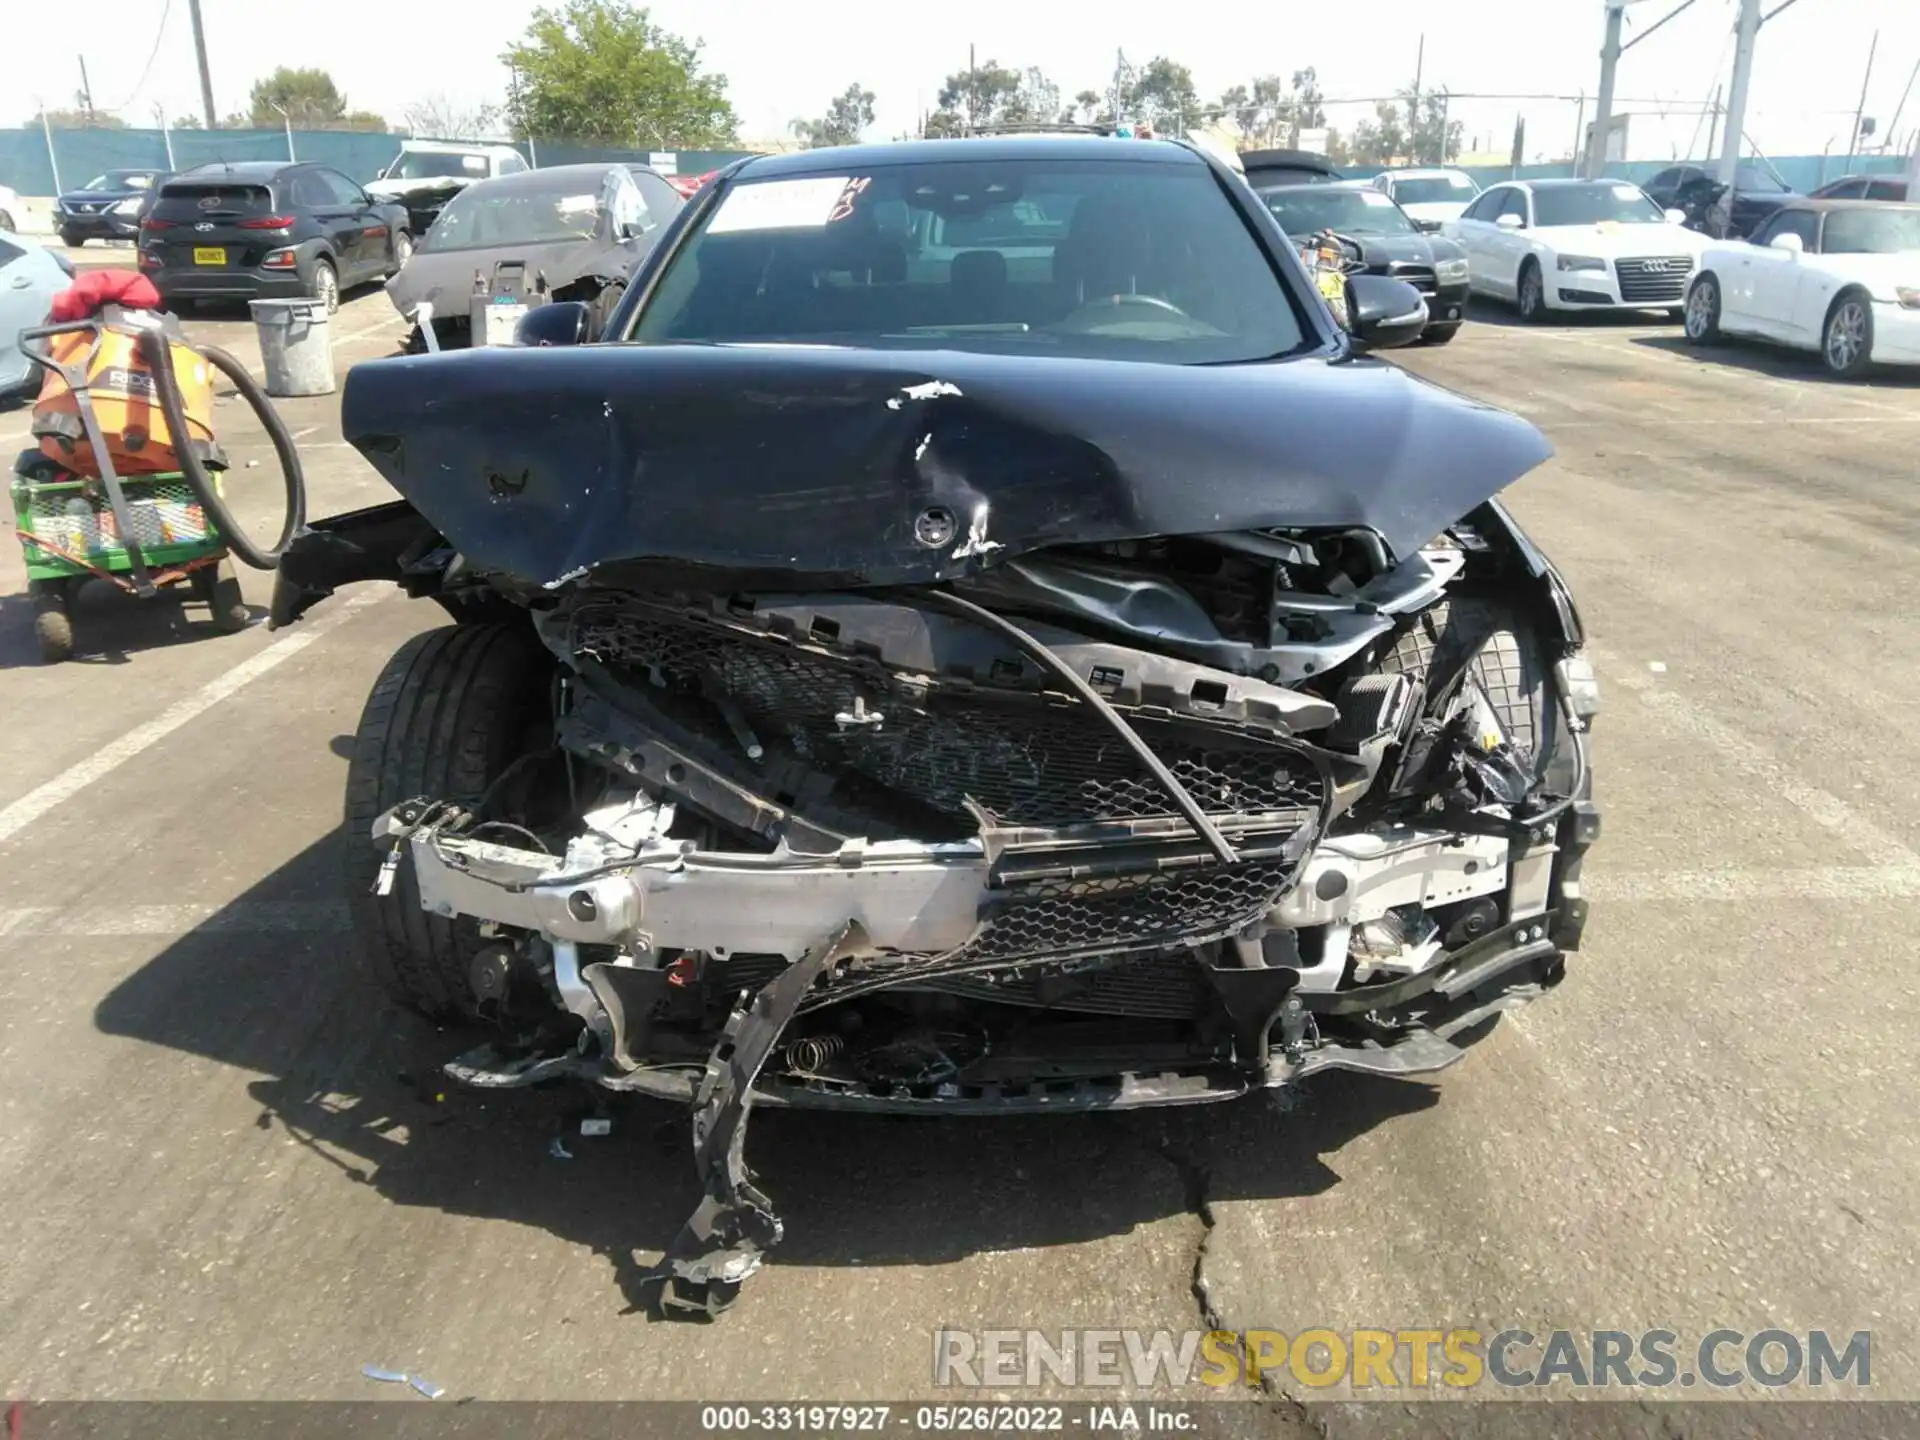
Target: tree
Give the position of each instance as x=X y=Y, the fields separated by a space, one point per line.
x=441 y=118
x=80 y=120
x=847 y=115
x=1380 y=140
x=1431 y=136
x=975 y=97
x=1088 y=107
x=310 y=98
x=1162 y=94
x=1305 y=107
x=601 y=69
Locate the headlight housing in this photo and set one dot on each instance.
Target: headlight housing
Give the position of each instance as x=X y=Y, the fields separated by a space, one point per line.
x=1450 y=272
x=1581 y=262
x=130 y=207
x=1908 y=296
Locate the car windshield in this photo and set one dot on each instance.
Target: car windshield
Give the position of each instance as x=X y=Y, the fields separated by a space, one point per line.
x=1600 y=203
x=120 y=180
x=1871 y=232
x=1116 y=259
x=489 y=215
x=1434 y=189
x=1308 y=211
x=429 y=165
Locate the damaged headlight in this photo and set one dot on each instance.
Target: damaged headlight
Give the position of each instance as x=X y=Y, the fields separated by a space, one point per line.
x=1908 y=295
x=1581 y=262
x=1450 y=272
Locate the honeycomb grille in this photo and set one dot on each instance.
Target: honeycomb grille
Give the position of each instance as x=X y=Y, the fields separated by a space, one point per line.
x=1024 y=762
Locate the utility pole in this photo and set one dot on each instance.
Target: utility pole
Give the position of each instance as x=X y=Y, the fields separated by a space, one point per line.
x=1853 y=137
x=1579 y=131
x=200 y=53
x=86 y=91
x=287 y=121
x=1745 y=31
x=166 y=134
x=1713 y=123
x=1413 y=105
x=1892 y=131
x=1594 y=155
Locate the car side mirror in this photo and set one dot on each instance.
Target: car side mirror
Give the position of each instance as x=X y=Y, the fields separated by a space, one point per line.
x=1383 y=313
x=1675 y=217
x=559 y=322
x=1510 y=221
x=1427 y=227
x=1789 y=242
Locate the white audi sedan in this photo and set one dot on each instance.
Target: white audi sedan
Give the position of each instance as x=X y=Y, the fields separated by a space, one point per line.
x=1838 y=276
x=1576 y=245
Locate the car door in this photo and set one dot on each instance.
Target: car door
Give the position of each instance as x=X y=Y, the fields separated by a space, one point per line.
x=1777 y=273
x=25 y=291
x=1507 y=248
x=1471 y=230
x=1816 y=279
x=373 y=241
x=333 y=220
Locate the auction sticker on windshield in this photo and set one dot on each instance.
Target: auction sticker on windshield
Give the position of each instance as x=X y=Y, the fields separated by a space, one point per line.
x=782 y=205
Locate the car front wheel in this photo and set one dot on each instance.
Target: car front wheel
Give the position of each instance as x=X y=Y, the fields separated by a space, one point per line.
x=1847 y=343
x=324 y=284
x=1702 y=311
x=1532 y=295
x=402 y=251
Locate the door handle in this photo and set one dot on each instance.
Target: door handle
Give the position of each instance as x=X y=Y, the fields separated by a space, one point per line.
x=20 y=282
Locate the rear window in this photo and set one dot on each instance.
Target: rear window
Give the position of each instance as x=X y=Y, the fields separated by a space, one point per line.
x=1096 y=258
x=1434 y=190
x=214 y=197
x=489 y=215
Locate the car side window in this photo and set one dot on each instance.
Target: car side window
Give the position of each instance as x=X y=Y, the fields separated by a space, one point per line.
x=343 y=190
x=9 y=253
x=1514 y=203
x=310 y=192
x=1887 y=190
x=663 y=201
x=1847 y=190
x=511 y=165
x=1486 y=207
x=625 y=207
x=1804 y=223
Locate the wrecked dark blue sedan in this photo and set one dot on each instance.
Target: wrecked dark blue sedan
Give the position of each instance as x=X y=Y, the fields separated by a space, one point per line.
x=974 y=636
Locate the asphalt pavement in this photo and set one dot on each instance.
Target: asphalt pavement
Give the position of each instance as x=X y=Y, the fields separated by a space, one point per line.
x=231 y=1171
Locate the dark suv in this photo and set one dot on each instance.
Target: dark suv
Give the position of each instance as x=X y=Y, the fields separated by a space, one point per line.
x=107 y=207
x=269 y=228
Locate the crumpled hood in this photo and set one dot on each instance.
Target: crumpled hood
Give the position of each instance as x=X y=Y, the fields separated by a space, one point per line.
x=446 y=276
x=896 y=467
x=438 y=186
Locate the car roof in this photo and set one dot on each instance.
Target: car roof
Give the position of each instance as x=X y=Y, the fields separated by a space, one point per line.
x=1568 y=182
x=1425 y=172
x=456 y=147
x=981 y=147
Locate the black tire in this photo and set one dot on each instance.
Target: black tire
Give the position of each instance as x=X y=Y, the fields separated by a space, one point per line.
x=6 y=223
x=218 y=588
x=52 y=626
x=1846 y=340
x=67 y=238
x=1439 y=334
x=453 y=708
x=1530 y=300
x=601 y=310
x=400 y=252
x=324 y=284
x=1702 y=312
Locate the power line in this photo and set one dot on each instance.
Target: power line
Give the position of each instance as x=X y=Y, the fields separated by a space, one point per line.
x=166 y=8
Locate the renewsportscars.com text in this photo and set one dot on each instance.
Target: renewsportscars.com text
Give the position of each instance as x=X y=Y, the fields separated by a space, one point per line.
x=1417 y=1359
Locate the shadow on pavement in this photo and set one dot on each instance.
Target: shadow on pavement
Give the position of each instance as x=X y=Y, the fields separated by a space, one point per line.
x=111 y=626
x=1482 y=311
x=1776 y=360
x=357 y=1081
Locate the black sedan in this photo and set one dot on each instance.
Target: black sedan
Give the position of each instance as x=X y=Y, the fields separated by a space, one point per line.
x=107 y=207
x=1390 y=243
x=1692 y=188
x=264 y=229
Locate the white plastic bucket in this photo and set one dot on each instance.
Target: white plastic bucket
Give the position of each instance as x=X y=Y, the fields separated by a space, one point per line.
x=295 y=346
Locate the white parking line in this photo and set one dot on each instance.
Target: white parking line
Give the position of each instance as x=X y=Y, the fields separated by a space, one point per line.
x=346 y=336
x=64 y=787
